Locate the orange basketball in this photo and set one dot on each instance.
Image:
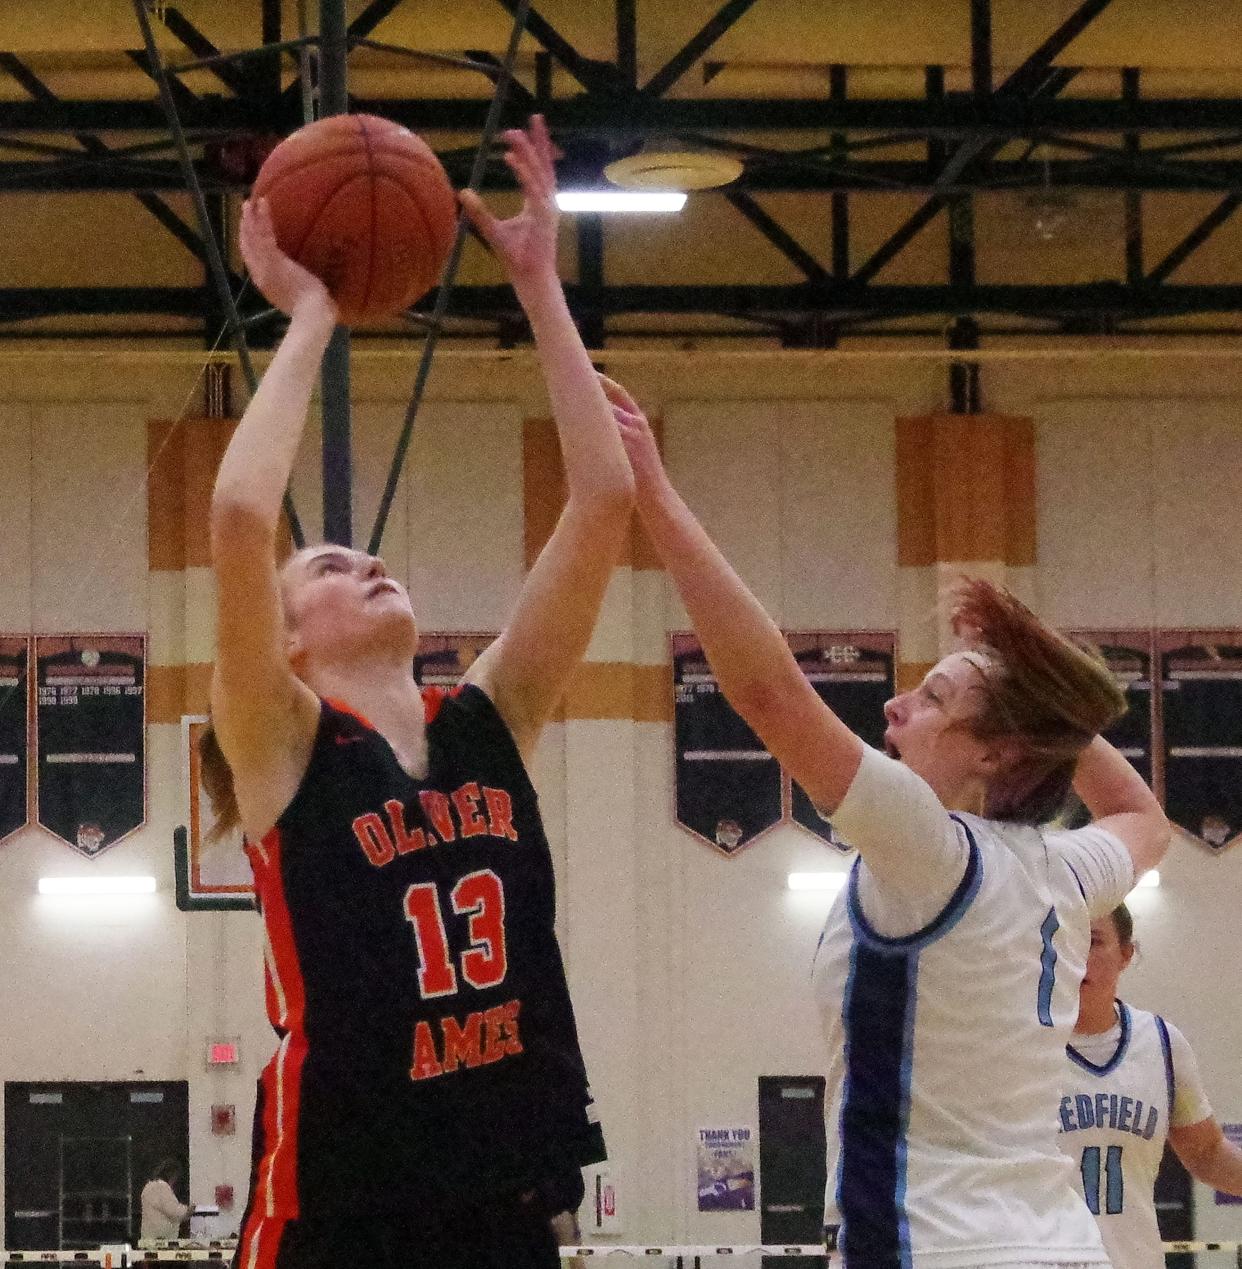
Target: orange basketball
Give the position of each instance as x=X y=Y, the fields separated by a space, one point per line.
x=364 y=204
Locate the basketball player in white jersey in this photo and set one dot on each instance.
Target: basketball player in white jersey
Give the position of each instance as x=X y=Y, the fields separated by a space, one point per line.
x=948 y=971
x=1133 y=1085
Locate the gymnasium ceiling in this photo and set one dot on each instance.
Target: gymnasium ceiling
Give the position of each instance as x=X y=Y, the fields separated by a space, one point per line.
x=957 y=168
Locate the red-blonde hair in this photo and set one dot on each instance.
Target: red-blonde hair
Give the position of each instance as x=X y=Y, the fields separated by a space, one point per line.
x=1040 y=690
x=217 y=778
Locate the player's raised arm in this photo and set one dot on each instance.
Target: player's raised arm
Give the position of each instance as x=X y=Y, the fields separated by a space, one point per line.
x=1120 y=801
x=266 y=733
x=526 y=670
x=757 y=672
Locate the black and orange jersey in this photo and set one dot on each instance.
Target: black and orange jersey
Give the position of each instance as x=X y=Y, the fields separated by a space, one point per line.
x=428 y=1050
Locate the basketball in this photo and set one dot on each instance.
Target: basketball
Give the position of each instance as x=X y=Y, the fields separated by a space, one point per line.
x=365 y=205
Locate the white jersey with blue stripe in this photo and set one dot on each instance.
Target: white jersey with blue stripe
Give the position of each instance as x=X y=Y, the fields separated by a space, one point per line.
x=1124 y=1090
x=947 y=1045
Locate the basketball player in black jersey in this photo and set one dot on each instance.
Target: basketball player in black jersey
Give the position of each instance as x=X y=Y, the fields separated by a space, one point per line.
x=428 y=1103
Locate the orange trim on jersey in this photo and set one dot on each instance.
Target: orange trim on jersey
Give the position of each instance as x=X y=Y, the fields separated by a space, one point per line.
x=353 y=713
x=434 y=697
x=276 y=1178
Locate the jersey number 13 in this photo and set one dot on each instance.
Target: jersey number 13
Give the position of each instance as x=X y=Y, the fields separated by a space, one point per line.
x=480 y=898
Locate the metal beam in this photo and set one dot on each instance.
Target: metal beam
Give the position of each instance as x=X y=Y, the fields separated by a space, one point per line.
x=838 y=88
x=981 y=48
x=93 y=146
x=878 y=177
x=1195 y=238
x=589 y=312
x=594 y=76
x=371 y=17
x=777 y=235
x=707 y=35
x=627 y=42
x=956 y=117
x=337 y=441
x=1132 y=146
x=1032 y=72
x=235 y=78
x=1095 y=300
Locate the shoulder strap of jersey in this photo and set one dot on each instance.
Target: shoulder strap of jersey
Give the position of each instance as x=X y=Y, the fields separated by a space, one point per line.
x=1166 y=1048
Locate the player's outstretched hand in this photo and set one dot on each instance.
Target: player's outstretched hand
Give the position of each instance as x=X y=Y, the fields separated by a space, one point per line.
x=284 y=282
x=636 y=434
x=525 y=242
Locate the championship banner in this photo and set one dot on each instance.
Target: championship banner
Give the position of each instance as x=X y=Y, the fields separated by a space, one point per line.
x=852 y=672
x=1201 y=704
x=442 y=659
x=91 y=727
x=1129 y=654
x=14 y=733
x=728 y=787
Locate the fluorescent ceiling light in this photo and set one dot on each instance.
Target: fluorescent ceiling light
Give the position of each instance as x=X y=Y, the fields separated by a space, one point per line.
x=829 y=881
x=620 y=200
x=96 y=885
x=1150 y=880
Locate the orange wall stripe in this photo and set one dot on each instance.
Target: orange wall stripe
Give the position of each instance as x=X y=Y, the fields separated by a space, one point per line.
x=602 y=690
x=165 y=496
x=543 y=484
x=206 y=440
x=916 y=492
x=173 y=690
x=909 y=674
x=965 y=489
x=543 y=495
x=969 y=473
x=1020 y=509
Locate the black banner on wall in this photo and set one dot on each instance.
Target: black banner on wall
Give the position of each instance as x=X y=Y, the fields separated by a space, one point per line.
x=1129 y=654
x=91 y=728
x=1201 y=703
x=14 y=733
x=442 y=659
x=852 y=672
x=728 y=787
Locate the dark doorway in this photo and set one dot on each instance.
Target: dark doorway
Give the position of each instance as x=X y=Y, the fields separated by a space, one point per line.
x=792 y=1165
x=1175 y=1208
x=76 y=1156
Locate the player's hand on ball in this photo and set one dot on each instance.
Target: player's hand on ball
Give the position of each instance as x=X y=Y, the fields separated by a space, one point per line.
x=284 y=282
x=636 y=434
x=525 y=242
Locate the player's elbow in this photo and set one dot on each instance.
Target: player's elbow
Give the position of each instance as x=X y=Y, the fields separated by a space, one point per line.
x=239 y=523
x=1150 y=840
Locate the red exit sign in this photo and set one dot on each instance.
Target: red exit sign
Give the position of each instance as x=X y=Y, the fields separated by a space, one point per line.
x=223 y=1052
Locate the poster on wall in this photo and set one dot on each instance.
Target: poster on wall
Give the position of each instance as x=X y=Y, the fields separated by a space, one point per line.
x=442 y=659
x=726 y=1169
x=1201 y=705
x=852 y=671
x=728 y=787
x=14 y=733
x=90 y=723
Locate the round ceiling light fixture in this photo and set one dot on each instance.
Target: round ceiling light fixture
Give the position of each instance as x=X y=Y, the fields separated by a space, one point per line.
x=673 y=170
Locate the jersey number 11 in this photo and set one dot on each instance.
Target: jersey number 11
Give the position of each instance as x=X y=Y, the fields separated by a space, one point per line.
x=1114 y=1188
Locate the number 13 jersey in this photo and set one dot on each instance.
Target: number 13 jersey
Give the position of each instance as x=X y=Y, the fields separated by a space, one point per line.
x=428 y=1052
